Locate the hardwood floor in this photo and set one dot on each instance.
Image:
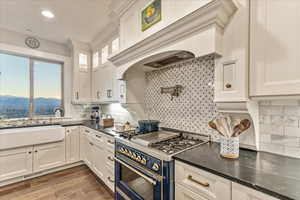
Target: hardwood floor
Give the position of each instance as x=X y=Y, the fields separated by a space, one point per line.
x=77 y=183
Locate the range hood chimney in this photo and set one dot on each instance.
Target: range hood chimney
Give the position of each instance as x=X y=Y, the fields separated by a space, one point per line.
x=195 y=35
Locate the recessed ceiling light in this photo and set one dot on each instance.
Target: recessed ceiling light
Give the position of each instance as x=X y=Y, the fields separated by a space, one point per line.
x=48 y=14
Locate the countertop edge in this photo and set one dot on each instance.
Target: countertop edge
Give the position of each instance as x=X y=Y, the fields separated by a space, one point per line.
x=233 y=179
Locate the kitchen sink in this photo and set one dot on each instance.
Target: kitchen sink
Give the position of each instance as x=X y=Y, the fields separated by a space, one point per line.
x=18 y=137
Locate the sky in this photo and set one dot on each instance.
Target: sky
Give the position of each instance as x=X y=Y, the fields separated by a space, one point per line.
x=14 y=77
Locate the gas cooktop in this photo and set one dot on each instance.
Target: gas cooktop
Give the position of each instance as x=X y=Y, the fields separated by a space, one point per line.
x=177 y=144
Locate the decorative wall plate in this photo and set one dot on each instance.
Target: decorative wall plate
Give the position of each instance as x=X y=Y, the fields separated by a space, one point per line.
x=32 y=42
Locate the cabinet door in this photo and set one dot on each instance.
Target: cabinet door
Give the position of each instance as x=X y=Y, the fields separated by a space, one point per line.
x=182 y=193
x=241 y=192
x=274 y=47
x=98 y=160
x=48 y=156
x=81 y=77
x=15 y=162
x=72 y=144
x=87 y=150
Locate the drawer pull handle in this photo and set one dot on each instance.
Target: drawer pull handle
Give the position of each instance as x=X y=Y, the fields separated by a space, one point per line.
x=110 y=142
x=197 y=182
x=98 y=136
x=110 y=180
x=87 y=131
x=228 y=85
x=91 y=143
x=110 y=158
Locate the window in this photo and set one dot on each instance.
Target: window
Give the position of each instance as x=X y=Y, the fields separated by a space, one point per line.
x=29 y=87
x=115 y=45
x=95 y=60
x=83 y=61
x=104 y=54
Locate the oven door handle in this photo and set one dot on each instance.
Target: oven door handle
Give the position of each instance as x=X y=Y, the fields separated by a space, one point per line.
x=150 y=180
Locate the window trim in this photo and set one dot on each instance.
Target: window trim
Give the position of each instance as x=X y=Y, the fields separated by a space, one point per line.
x=32 y=59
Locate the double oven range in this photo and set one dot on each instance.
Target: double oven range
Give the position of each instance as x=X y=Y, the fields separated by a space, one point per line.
x=144 y=168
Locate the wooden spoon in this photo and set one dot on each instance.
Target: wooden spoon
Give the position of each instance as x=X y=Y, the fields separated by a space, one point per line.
x=243 y=126
x=214 y=126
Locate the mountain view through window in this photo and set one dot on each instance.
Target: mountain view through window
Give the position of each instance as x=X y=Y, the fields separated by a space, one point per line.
x=19 y=88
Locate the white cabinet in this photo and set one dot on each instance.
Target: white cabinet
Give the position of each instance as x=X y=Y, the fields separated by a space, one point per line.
x=81 y=80
x=199 y=184
x=72 y=144
x=182 y=193
x=241 y=192
x=48 y=156
x=104 y=84
x=274 y=47
x=16 y=162
x=86 y=147
x=98 y=157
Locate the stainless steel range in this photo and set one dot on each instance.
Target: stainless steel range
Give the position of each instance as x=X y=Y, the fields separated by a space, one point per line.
x=144 y=164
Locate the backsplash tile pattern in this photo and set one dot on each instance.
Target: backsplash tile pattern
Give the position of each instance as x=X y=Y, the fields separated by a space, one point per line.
x=280 y=127
x=192 y=110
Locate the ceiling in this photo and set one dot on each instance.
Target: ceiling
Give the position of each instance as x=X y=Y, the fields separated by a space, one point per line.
x=77 y=19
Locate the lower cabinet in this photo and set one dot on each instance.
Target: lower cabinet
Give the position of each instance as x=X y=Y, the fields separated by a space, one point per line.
x=97 y=151
x=195 y=184
x=202 y=184
x=16 y=162
x=48 y=156
x=72 y=144
x=241 y=192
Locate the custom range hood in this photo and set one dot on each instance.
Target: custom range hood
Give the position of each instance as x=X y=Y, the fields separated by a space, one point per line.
x=194 y=35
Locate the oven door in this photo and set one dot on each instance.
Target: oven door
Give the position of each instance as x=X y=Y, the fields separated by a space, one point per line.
x=132 y=183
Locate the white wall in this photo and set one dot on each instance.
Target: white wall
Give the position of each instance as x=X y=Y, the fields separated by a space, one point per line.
x=17 y=39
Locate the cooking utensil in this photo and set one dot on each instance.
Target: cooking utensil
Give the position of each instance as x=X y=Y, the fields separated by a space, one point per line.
x=214 y=126
x=241 y=127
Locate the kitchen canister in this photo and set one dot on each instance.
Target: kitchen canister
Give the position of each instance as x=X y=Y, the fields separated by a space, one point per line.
x=229 y=147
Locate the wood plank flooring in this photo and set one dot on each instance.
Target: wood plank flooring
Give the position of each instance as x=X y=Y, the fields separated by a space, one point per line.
x=77 y=183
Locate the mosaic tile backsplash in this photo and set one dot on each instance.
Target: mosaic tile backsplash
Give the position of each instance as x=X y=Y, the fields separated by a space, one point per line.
x=280 y=127
x=194 y=107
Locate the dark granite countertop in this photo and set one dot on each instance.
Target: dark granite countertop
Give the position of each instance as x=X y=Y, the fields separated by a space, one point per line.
x=95 y=126
x=276 y=175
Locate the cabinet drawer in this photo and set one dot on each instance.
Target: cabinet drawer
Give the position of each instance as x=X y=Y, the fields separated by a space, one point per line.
x=110 y=144
x=242 y=192
x=182 y=193
x=201 y=182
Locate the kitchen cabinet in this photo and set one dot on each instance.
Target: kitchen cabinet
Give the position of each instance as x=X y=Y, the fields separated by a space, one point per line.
x=198 y=184
x=97 y=151
x=81 y=83
x=16 y=162
x=241 y=192
x=274 y=47
x=104 y=84
x=98 y=156
x=86 y=147
x=47 y=156
x=72 y=144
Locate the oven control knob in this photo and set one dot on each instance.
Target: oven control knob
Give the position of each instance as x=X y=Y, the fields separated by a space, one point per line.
x=130 y=153
x=139 y=159
x=155 y=167
x=144 y=161
x=121 y=150
x=125 y=151
x=134 y=156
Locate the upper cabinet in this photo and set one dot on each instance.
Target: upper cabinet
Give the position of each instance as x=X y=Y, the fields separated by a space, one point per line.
x=104 y=82
x=81 y=56
x=275 y=47
x=231 y=70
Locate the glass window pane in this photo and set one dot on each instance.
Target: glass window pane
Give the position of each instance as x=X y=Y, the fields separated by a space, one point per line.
x=104 y=54
x=115 y=45
x=14 y=86
x=47 y=87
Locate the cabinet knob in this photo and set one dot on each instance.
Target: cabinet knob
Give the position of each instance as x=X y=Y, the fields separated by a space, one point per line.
x=228 y=85
x=29 y=152
x=35 y=151
x=110 y=179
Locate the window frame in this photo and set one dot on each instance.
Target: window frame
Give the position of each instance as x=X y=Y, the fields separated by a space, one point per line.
x=33 y=59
